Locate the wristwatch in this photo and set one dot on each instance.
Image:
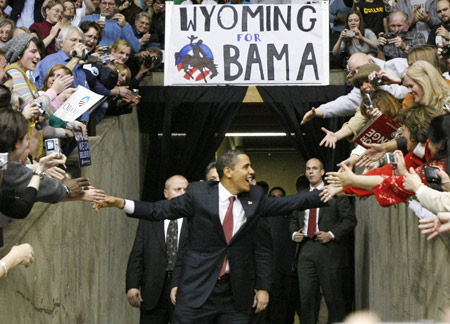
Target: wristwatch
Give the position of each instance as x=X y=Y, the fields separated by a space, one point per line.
x=40 y=174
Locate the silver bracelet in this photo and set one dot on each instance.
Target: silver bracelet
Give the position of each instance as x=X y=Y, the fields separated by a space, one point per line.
x=5 y=268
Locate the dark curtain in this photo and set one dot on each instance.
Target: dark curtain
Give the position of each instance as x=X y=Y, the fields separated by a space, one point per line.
x=202 y=113
x=290 y=103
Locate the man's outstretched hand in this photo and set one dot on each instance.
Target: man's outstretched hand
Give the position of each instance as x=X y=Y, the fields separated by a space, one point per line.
x=109 y=201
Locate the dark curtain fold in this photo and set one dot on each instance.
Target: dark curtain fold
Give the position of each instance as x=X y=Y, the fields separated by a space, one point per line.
x=202 y=113
x=290 y=103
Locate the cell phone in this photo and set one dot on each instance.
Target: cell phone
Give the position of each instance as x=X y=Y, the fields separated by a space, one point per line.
x=102 y=17
x=3 y=161
x=53 y=145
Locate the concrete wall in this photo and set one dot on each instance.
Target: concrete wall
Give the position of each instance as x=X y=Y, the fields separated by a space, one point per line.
x=399 y=274
x=278 y=169
x=81 y=256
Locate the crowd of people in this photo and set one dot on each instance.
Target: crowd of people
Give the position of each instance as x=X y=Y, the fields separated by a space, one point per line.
x=218 y=251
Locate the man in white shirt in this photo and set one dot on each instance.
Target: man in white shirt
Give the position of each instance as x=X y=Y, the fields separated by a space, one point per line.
x=152 y=261
x=322 y=235
x=219 y=283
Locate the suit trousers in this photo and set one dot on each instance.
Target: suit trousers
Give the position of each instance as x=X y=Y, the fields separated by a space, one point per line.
x=162 y=313
x=218 y=309
x=314 y=273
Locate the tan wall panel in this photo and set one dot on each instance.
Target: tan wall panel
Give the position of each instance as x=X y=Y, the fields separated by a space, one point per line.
x=399 y=274
x=81 y=256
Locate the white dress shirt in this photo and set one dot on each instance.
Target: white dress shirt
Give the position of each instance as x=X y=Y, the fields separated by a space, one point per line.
x=239 y=217
x=305 y=225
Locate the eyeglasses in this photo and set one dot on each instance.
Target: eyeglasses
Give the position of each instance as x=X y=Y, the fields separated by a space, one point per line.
x=108 y=4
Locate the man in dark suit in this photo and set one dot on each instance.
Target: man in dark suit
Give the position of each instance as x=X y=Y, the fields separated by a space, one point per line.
x=322 y=253
x=218 y=270
x=284 y=295
x=151 y=262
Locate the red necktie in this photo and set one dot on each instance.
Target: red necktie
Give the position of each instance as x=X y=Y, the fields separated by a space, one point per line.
x=227 y=230
x=312 y=221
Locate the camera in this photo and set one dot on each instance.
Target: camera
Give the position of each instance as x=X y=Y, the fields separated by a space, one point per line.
x=102 y=17
x=446 y=51
x=104 y=49
x=391 y=158
x=136 y=92
x=377 y=81
x=351 y=34
x=150 y=60
x=160 y=6
x=3 y=161
x=83 y=56
x=431 y=175
x=99 y=60
x=390 y=35
x=52 y=145
x=40 y=109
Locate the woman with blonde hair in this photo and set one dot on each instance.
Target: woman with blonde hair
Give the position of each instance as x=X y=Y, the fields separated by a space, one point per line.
x=121 y=51
x=426 y=85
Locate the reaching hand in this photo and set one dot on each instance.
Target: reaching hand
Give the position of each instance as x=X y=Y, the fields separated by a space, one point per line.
x=93 y=195
x=23 y=254
x=349 y=163
x=308 y=116
x=330 y=139
x=109 y=201
x=373 y=153
x=77 y=186
x=329 y=192
x=56 y=173
x=435 y=226
x=341 y=179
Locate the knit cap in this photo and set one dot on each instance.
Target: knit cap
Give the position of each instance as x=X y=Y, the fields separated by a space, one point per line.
x=16 y=46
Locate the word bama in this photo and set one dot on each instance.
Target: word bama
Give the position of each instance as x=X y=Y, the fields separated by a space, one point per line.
x=270 y=19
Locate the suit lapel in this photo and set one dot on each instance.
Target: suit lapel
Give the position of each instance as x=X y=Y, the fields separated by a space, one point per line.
x=158 y=229
x=213 y=207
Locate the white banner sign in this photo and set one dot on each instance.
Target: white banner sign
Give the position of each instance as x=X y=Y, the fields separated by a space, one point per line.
x=79 y=102
x=247 y=44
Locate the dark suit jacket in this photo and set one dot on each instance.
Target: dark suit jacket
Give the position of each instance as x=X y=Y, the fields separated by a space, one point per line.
x=146 y=268
x=338 y=218
x=206 y=246
x=17 y=7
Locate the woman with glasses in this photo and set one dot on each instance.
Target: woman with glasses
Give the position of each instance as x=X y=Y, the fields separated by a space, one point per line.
x=50 y=27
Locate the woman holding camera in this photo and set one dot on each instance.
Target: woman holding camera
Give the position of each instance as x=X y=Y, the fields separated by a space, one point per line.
x=351 y=39
x=23 y=52
x=14 y=144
